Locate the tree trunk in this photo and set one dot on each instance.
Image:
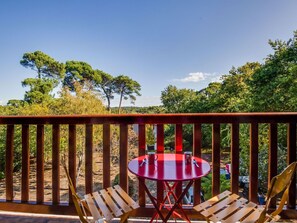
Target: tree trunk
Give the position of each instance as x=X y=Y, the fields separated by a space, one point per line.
x=120 y=104
x=108 y=104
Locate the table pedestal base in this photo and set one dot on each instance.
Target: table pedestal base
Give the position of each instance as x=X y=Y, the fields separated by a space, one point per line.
x=171 y=207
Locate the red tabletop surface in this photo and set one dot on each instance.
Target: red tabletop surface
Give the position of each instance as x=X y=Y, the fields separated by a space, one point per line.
x=169 y=167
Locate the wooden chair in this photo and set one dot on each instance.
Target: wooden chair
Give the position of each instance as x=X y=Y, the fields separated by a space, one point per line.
x=228 y=207
x=103 y=205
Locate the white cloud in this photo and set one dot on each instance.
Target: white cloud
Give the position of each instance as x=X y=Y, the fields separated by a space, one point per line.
x=197 y=80
x=216 y=79
x=193 y=77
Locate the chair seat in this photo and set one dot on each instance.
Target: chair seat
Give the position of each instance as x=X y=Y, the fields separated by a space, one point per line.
x=109 y=203
x=230 y=208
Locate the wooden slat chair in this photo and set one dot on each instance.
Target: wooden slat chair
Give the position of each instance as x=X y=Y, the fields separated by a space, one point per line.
x=103 y=205
x=231 y=208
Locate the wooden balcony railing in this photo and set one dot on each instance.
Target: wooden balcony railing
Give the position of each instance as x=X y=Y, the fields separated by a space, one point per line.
x=9 y=124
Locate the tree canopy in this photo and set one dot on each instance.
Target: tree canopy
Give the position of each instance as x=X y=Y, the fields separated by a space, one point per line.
x=126 y=88
x=81 y=72
x=52 y=74
x=271 y=86
x=106 y=85
x=274 y=84
x=44 y=65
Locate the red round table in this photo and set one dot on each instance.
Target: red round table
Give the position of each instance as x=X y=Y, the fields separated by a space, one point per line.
x=169 y=168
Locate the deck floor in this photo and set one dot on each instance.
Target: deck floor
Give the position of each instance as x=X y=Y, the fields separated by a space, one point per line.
x=16 y=217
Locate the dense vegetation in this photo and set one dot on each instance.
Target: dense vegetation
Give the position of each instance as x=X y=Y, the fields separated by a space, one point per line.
x=81 y=90
x=270 y=86
x=253 y=87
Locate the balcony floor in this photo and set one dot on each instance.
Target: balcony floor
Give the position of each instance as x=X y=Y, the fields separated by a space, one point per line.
x=16 y=217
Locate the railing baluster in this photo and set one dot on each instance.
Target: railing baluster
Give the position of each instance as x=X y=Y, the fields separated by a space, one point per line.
x=253 y=185
x=89 y=159
x=234 y=157
x=40 y=164
x=72 y=156
x=124 y=157
x=25 y=163
x=178 y=149
x=216 y=138
x=160 y=138
x=141 y=152
x=178 y=138
x=272 y=156
x=106 y=155
x=9 y=162
x=160 y=149
x=291 y=158
x=56 y=164
x=197 y=145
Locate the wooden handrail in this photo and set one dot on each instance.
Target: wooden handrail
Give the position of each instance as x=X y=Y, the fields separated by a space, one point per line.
x=186 y=118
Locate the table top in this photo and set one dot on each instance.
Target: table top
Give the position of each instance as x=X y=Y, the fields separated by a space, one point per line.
x=169 y=167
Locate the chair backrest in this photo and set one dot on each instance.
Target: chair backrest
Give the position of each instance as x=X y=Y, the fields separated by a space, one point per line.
x=80 y=205
x=279 y=184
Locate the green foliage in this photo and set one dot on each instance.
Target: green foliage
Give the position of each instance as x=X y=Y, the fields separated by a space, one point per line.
x=150 y=136
x=83 y=102
x=126 y=88
x=177 y=100
x=274 y=85
x=39 y=89
x=116 y=181
x=48 y=71
x=271 y=86
x=79 y=72
x=141 y=110
x=51 y=74
x=15 y=103
x=44 y=65
x=81 y=93
x=206 y=185
x=106 y=85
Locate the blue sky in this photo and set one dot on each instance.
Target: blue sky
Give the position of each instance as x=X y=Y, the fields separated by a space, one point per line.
x=157 y=43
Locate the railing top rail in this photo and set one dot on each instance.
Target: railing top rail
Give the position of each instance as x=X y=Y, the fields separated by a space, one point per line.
x=184 y=118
